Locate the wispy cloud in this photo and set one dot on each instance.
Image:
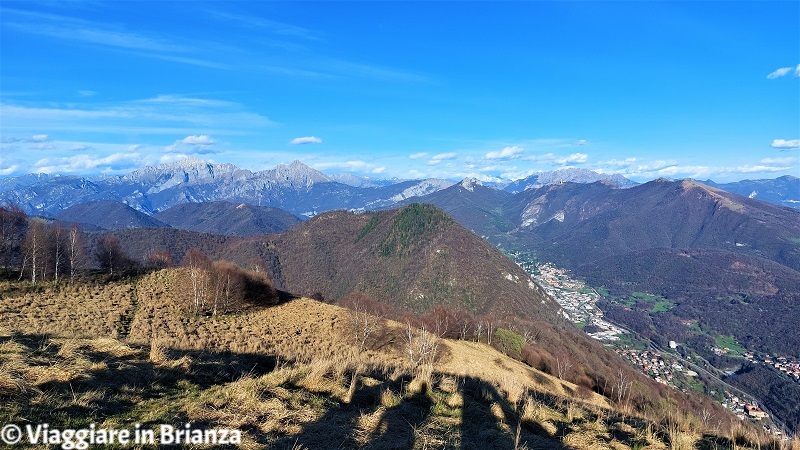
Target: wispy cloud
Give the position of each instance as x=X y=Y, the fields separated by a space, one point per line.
x=418 y=155
x=198 y=140
x=80 y=31
x=437 y=159
x=573 y=158
x=86 y=93
x=505 y=154
x=754 y=168
x=779 y=73
x=271 y=26
x=8 y=170
x=81 y=148
x=306 y=140
x=160 y=115
x=636 y=168
x=72 y=29
x=783 y=71
x=785 y=144
x=786 y=160
x=351 y=166
x=361 y=70
x=552 y=158
x=88 y=163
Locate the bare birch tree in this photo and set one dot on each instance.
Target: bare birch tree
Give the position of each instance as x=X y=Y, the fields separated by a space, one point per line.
x=421 y=345
x=363 y=324
x=34 y=247
x=75 y=254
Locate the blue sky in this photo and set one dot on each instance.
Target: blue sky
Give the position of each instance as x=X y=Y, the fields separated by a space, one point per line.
x=403 y=89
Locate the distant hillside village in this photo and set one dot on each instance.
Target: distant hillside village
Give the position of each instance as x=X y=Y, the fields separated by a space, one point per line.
x=786 y=365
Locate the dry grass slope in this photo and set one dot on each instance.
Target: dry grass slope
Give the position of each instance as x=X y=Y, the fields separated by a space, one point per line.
x=288 y=376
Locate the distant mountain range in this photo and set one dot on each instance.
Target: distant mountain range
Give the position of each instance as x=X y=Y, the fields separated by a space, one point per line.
x=295 y=187
x=568 y=175
x=784 y=191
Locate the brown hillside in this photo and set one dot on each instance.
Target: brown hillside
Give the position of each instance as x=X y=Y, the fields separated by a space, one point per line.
x=413 y=258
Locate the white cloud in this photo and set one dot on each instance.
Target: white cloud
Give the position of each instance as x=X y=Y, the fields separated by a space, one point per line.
x=8 y=170
x=779 y=73
x=787 y=160
x=758 y=168
x=185 y=101
x=552 y=158
x=418 y=155
x=80 y=148
x=83 y=163
x=350 y=166
x=581 y=142
x=797 y=71
x=619 y=162
x=437 y=159
x=135 y=147
x=781 y=143
x=573 y=158
x=631 y=167
x=172 y=157
x=200 y=144
x=40 y=138
x=306 y=140
x=166 y=115
x=480 y=177
x=198 y=140
x=506 y=153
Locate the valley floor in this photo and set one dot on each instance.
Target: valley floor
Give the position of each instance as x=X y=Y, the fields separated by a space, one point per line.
x=580 y=305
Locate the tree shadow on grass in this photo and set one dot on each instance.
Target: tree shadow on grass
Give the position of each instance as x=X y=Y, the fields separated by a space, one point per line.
x=112 y=384
x=382 y=413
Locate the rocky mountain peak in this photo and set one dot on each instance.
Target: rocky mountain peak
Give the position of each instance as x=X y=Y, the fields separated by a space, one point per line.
x=297 y=174
x=470 y=183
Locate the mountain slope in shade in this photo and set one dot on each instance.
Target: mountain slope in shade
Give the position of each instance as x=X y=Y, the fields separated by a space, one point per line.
x=479 y=208
x=108 y=215
x=228 y=218
x=784 y=191
x=751 y=298
x=578 y=224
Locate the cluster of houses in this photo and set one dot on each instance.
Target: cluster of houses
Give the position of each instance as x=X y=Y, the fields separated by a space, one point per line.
x=742 y=408
x=655 y=365
x=788 y=366
x=579 y=305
